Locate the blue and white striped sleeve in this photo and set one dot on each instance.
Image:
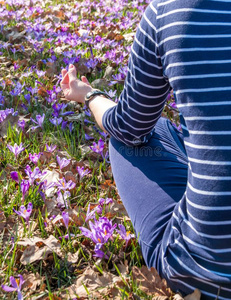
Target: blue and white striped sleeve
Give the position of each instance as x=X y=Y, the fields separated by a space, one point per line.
x=143 y=97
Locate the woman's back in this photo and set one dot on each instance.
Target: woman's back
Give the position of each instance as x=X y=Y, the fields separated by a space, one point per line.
x=194 y=42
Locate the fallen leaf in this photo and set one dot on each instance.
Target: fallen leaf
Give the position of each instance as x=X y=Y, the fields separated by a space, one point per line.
x=42 y=92
x=52 y=69
x=32 y=281
x=150 y=282
x=101 y=84
x=81 y=67
x=34 y=252
x=96 y=284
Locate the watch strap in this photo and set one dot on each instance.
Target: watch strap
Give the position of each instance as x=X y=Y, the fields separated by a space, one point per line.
x=93 y=94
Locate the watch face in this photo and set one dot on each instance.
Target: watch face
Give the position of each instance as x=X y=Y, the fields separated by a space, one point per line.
x=88 y=95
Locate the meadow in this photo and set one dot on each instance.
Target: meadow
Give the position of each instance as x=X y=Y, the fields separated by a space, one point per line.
x=64 y=233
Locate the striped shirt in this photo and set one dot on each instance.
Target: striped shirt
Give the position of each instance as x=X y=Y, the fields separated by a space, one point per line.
x=185 y=45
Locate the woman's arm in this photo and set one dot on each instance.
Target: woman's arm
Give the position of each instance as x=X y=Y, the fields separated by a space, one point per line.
x=76 y=90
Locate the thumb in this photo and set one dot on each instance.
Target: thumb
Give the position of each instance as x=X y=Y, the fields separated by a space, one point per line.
x=84 y=79
x=72 y=72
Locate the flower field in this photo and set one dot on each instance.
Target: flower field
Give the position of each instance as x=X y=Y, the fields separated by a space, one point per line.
x=64 y=233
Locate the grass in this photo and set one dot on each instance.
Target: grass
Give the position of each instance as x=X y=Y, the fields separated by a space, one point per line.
x=37 y=52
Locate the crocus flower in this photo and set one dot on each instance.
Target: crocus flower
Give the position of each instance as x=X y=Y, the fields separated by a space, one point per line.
x=14 y=176
x=16 y=149
x=101 y=231
x=64 y=125
x=62 y=162
x=82 y=172
x=39 y=121
x=33 y=175
x=4 y=113
x=16 y=286
x=65 y=216
x=34 y=157
x=50 y=148
x=90 y=213
x=40 y=73
x=25 y=185
x=21 y=124
x=126 y=235
x=25 y=213
x=63 y=185
x=98 y=147
x=56 y=121
x=88 y=137
x=17 y=89
x=62 y=199
x=103 y=201
x=71 y=127
x=99 y=253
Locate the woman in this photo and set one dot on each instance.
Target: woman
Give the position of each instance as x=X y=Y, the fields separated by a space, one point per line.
x=179 y=195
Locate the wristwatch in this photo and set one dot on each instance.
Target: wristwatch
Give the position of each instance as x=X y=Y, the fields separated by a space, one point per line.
x=92 y=94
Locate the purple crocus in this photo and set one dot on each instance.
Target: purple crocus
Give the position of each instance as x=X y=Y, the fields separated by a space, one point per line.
x=14 y=176
x=21 y=124
x=82 y=172
x=39 y=121
x=90 y=213
x=99 y=253
x=35 y=174
x=106 y=201
x=126 y=235
x=50 y=148
x=63 y=185
x=56 y=121
x=65 y=216
x=98 y=147
x=25 y=185
x=16 y=286
x=25 y=212
x=101 y=231
x=40 y=73
x=16 y=149
x=62 y=199
x=88 y=137
x=63 y=162
x=34 y=157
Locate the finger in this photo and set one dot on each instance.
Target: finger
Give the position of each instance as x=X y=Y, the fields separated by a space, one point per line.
x=84 y=79
x=65 y=79
x=64 y=71
x=72 y=72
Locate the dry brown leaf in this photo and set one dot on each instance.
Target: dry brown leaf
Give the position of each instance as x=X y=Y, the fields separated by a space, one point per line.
x=52 y=69
x=196 y=295
x=96 y=284
x=117 y=209
x=70 y=176
x=150 y=282
x=160 y=298
x=45 y=157
x=32 y=281
x=81 y=67
x=100 y=83
x=38 y=248
x=42 y=92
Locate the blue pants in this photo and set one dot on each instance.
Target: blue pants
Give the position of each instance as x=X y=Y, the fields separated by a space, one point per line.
x=151 y=180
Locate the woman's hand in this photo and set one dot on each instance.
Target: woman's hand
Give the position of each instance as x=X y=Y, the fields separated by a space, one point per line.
x=73 y=88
